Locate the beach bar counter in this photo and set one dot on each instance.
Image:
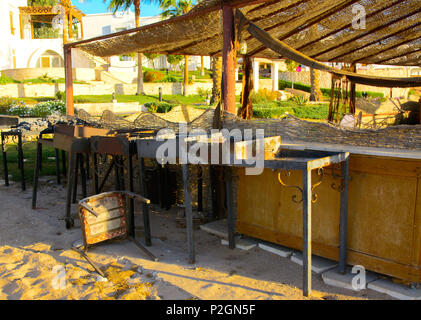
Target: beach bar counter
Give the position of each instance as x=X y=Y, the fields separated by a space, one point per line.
x=384 y=209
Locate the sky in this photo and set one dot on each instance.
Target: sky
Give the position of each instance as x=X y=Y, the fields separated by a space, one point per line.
x=99 y=6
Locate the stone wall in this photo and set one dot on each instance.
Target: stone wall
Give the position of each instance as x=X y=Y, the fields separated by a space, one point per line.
x=79 y=74
x=325 y=80
x=21 y=90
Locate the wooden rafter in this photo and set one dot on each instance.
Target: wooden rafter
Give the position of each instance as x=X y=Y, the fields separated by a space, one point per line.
x=398 y=56
x=406 y=40
x=394 y=46
x=366 y=33
x=349 y=25
x=315 y=18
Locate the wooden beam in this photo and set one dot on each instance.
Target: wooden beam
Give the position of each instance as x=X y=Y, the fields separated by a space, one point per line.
x=70 y=25
x=68 y=73
x=366 y=33
x=228 y=59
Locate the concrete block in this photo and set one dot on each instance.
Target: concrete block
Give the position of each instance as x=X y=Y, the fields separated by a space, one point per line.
x=218 y=228
x=243 y=244
x=282 y=251
x=318 y=264
x=395 y=290
x=336 y=279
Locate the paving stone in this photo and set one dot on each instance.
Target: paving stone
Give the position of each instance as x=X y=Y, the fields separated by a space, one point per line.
x=318 y=264
x=218 y=228
x=336 y=279
x=276 y=249
x=395 y=290
x=241 y=243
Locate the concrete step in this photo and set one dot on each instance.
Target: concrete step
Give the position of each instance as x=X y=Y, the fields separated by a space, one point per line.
x=395 y=290
x=318 y=264
x=336 y=279
x=282 y=251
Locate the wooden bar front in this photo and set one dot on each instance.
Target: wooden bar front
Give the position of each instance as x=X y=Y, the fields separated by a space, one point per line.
x=384 y=224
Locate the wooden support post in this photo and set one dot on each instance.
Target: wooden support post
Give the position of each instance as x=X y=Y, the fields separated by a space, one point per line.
x=307 y=195
x=352 y=92
x=68 y=72
x=81 y=29
x=343 y=224
x=228 y=59
x=70 y=25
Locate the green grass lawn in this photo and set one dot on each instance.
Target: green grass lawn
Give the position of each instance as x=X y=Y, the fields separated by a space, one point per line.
x=277 y=108
x=142 y=99
x=29 y=153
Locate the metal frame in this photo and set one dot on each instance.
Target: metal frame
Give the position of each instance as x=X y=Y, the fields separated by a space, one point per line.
x=17 y=134
x=306 y=161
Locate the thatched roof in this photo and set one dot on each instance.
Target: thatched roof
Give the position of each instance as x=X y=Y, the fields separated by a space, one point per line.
x=320 y=29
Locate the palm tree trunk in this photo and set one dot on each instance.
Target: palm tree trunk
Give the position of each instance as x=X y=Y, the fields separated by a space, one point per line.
x=316 y=93
x=202 y=66
x=186 y=75
x=139 y=54
x=216 y=79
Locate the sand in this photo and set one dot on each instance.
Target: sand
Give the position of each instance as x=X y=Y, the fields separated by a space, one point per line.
x=36 y=261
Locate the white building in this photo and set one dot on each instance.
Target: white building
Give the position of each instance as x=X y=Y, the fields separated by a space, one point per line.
x=30 y=46
x=105 y=23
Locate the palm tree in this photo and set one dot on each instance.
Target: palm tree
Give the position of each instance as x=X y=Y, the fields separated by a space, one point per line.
x=116 y=5
x=216 y=79
x=316 y=93
x=173 y=8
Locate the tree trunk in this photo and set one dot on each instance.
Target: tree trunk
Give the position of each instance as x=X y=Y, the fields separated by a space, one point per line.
x=202 y=66
x=316 y=93
x=216 y=79
x=139 y=54
x=186 y=75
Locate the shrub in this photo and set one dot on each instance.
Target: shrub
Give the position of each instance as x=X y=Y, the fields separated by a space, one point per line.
x=264 y=95
x=5 y=80
x=169 y=79
x=326 y=91
x=44 y=109
x=301 y=100
x=203 y=92
x=159 y=107
x=60 y=95
x=153 y=76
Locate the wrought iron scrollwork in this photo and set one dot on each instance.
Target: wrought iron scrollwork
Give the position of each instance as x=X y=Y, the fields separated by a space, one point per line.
x=294 y=197
x=314 y=196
